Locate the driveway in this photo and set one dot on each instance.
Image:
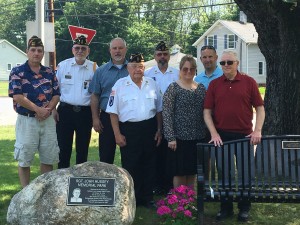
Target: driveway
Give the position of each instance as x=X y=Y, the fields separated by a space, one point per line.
x=7 y=114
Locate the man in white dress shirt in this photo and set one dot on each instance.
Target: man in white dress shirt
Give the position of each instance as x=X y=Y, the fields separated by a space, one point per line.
x=135 y=108
x=74 y=112
x=164 y=75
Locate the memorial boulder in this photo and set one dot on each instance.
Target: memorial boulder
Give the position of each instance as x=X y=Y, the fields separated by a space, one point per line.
x=92 y=193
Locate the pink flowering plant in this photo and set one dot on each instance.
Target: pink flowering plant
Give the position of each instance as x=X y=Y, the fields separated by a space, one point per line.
x=179 y=207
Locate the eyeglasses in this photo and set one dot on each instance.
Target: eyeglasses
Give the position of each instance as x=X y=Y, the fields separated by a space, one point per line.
x=229 y=62
x=162 y=53
x=208 y=47
x=77 y=48
x=192 y=70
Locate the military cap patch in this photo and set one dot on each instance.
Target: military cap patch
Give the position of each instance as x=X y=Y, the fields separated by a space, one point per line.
x=161 y=46
x=80 y=40
x=35 y=41
x=136 y=58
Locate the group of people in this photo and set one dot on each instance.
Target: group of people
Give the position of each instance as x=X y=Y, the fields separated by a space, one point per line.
x=156 y=116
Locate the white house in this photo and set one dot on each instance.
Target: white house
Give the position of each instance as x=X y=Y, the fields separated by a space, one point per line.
x=10 y=56
x=238 y=36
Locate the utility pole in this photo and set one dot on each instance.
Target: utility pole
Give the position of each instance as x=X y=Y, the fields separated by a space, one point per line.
x=52 y=55
x=40 y=12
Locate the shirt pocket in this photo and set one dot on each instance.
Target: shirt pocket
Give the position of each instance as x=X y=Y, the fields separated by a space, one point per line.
x=151 y=99
x=129 y=102
x=66 y=85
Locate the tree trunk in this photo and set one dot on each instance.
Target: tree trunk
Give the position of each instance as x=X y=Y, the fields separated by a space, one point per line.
x=277 y=25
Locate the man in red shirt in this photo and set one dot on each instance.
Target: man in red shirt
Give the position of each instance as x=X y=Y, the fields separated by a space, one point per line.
x=228 y=115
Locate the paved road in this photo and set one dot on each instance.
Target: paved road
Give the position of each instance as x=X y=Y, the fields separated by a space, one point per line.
x=7 y=114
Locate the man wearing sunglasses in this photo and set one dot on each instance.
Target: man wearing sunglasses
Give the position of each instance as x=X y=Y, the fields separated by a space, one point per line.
x=228 y=115
x=164 y=75
x=211 y=71
x=74 y=112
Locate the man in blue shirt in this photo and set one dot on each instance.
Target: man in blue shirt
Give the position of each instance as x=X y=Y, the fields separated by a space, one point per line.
x=209 y=59
x=104 y=79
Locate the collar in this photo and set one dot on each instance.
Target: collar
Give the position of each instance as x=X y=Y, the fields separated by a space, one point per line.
x=129 y=81
x=111 y=64
x=157 y=70
x=84 y=65
x=214 y=73
x=27 y=67
x=238 y=77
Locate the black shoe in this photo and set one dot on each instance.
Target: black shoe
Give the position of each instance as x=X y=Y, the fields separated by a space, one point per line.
x=223 y=214
x=243 y=216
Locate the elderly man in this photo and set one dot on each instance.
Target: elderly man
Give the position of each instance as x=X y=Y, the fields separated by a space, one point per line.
x=211 y=71
x=135 y=108
x=164 y=75
x=228 y=115
x=74 y=112
x=104 y=79
x=35 y=92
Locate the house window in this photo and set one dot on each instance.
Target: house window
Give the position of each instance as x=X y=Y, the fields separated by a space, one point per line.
x=231 y=41
x=9 y=66
x=18 y=64
x=210 y=40
x=261 y=68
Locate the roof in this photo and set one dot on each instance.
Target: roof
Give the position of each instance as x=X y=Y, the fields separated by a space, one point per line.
x=245 y=31
x=3 y=40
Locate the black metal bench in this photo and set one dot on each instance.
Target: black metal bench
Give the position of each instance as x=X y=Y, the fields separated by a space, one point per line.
x=267 y=172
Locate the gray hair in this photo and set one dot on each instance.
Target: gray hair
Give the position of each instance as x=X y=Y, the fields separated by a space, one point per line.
x=231 y=52
x=117 y=38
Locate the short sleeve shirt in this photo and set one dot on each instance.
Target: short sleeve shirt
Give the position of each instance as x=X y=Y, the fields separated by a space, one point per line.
x=231 y=102
x=134 y=104
x=37 y=88
x=163 y=80
x=205 y=80
x=74 y=81
x=104 y=79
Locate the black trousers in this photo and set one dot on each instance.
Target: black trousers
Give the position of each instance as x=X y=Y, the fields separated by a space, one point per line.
x=107 y=142
x=243 y=204
x=163 y=180
x=73 y=119
x=138 y=156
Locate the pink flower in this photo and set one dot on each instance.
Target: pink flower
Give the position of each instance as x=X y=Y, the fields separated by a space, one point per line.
x=180 y=209
x=179 y=206
x=163 y=210
x=172 y=199
x=160 y=202
x=188 y=213
x=181 y=189
x=191 y=193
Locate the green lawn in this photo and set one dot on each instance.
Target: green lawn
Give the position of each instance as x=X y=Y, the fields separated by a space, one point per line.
x=3 y=88
x=263 y=214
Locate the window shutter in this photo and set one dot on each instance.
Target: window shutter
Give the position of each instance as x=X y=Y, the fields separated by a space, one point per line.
x=225 y=41
x=205 y=40
x=236 y=38
x=215 y=41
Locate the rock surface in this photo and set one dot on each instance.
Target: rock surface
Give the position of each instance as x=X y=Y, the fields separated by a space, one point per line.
x=43 y=201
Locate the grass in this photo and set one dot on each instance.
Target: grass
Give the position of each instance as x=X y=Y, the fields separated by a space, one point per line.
x=261 y=214
x=3 y=88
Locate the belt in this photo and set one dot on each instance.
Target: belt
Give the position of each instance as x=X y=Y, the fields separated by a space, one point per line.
x=27 y=114
x=75 y=108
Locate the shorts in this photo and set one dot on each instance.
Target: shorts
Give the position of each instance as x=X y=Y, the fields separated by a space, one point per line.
x=36 y=136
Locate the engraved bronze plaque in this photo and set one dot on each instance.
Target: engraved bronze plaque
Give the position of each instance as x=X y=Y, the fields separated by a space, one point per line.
x=290 y=144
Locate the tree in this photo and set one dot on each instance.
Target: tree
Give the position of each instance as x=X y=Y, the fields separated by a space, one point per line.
x=277 y=25
x=13 y=17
